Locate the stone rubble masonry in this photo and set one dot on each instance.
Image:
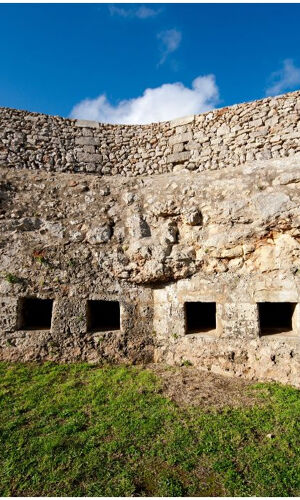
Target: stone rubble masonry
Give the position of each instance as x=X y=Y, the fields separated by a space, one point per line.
x=264 y=129
x=82 y=218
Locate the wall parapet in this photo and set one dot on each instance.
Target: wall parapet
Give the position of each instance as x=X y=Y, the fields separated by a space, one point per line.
x=258 y=130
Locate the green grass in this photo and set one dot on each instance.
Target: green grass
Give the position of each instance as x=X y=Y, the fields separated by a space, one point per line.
x=81 y=430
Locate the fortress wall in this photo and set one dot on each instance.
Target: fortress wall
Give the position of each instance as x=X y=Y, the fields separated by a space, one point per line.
x=179 y=267
x=154 y=245
x=259 y=130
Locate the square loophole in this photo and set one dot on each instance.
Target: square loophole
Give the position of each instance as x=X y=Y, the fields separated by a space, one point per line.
x=200 y=317
x=275 y=317
x=34 y=314
x=103 y=315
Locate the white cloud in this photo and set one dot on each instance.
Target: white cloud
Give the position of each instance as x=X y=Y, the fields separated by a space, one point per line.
x=144 y=12
x=141 y=12
x=170 y=100
x=170 y=41
x=287 y=78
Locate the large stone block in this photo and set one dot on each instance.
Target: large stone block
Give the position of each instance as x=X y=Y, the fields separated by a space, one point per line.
x=89 y=157
x=179 y=157
x=87 y=141
x=86 y=124
x=182 y=121
x=175 y=139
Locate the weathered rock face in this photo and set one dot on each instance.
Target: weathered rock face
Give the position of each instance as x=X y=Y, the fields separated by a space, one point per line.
x=204 y=266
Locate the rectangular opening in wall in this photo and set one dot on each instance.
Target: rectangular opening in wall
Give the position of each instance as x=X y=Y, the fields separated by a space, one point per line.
x=103 y=315
x=35 y=314
x=200 y=317
x=275 y=317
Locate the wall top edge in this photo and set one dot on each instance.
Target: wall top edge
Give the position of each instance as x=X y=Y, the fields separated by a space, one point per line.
x=31 y=115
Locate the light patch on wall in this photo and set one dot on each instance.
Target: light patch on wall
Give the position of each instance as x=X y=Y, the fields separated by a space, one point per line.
x=169 y=101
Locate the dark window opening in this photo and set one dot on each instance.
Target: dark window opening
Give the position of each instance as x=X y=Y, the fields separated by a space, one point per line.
x=35 y=314
x=200 y=317
x=103 y=315
x=275 y=317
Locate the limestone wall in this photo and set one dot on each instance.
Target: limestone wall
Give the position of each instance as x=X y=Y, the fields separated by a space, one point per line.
x=229 y=237
x=265 y=129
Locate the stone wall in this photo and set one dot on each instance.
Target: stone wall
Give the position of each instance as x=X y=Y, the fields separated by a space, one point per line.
x=218 y=230
x=230 y=237
x=258 y=130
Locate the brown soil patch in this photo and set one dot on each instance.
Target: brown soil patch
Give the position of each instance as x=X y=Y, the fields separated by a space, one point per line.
x=189 y=386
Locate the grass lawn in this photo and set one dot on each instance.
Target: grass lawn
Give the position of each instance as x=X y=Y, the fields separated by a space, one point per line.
x=82 y=430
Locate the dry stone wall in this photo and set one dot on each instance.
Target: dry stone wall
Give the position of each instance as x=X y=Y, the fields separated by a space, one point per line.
x=258 y=130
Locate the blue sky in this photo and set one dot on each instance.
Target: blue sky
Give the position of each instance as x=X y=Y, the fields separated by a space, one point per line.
x=54 y=56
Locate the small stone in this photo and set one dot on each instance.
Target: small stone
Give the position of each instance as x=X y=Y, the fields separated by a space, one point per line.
x=99 y=235
x=270 y=436
x=192 y=217
x=129 y=198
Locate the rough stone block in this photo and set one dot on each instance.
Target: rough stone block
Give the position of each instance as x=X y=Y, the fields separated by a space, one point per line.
x=138 y=227
x=89 y=157
x=178 y=157
x=177 y=148
x=201 y=137
x=191 y=146
x=182 y=121
x=175 y=139
x=87 y=141
x=255 y=123
x=223 y=130
x=86 y=124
